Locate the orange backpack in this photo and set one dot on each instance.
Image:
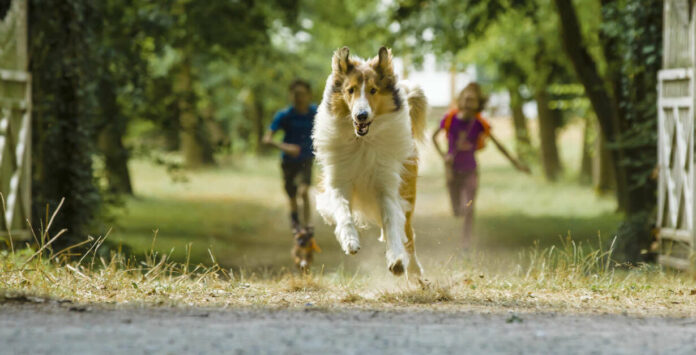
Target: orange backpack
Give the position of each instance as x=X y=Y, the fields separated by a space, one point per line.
x=481 y=141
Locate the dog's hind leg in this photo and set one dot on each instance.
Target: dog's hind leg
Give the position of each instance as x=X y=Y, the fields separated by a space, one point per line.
x=407 y=191
x=335 y=206
x=414 y=266
x=393 y=221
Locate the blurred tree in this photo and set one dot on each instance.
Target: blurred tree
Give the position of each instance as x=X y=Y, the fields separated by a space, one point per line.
x=62 y=65
x=120 y=45
x=624 y=100
x=514 y=42
x=97 y=66
x=193 y=41
x=248 y=86
x=515 y=78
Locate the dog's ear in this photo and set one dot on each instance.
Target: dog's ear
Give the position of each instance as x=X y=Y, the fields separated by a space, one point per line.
x=383 y=65
x=341 y=62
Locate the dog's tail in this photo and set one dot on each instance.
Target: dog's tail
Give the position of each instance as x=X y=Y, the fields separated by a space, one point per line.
x=418 y=110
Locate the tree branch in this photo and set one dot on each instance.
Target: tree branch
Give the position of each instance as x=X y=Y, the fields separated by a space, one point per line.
x=586 y=69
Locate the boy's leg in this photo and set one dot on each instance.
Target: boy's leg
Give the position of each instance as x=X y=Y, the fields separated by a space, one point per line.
x=305 y=245
x=306 y=207
x=306 y=182
x=290 y=171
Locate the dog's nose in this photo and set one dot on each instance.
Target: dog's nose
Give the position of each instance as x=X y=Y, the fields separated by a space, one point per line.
x=362 y=116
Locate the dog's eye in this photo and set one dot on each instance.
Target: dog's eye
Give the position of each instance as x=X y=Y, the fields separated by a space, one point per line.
x=350 y=90
x=373 y=91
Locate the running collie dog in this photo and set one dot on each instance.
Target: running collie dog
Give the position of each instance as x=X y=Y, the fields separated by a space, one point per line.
x=364 y=136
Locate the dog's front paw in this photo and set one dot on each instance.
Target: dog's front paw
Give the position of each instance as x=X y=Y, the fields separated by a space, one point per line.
x=397 y=261
x=350 y=242
x=351 y=247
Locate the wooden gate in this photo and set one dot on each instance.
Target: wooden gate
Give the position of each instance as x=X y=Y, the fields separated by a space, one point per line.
x=675 y=214
x=15 y=120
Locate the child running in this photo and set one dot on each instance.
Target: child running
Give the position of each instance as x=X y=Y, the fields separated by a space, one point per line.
x=297 y=122
x=466 y=132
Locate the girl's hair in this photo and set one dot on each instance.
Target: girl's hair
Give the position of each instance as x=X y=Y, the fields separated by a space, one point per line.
x=476 y=88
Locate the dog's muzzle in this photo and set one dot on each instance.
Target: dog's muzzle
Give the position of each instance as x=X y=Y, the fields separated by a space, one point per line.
x=361 y=128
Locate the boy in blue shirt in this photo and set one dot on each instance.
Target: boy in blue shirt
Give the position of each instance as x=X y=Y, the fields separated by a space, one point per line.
x=297 y=122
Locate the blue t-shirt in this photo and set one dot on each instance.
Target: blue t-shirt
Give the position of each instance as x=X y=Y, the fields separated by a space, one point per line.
x=298 y=130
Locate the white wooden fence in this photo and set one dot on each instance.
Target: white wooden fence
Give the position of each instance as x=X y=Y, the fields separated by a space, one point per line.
x=15 y=122
x=675 y=195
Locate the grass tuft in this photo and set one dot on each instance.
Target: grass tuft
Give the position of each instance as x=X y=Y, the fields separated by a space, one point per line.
x=351 y=297
x=303 y=283
x=428 y=294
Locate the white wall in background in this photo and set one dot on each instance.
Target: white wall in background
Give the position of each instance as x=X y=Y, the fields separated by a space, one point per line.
x=436 y=83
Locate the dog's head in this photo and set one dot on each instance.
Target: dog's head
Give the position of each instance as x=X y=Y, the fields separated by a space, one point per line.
x=363 y=90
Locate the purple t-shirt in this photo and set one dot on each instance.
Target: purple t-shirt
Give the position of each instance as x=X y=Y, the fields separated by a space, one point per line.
x=462 y=138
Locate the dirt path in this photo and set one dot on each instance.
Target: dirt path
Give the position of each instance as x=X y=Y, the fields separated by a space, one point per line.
x=67 y=329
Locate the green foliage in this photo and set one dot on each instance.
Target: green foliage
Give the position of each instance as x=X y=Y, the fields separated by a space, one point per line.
x=640 y=35
x=102 y=65
x=245 y=88
x=638 y=29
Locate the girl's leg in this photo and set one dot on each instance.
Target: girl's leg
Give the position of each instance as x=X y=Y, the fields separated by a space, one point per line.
x=453 y=186
x=469 y=185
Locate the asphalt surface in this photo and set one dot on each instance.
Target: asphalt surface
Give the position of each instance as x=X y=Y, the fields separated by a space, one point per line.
x=38 y=328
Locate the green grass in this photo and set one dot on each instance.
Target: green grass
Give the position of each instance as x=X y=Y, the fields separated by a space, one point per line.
x=238 y=211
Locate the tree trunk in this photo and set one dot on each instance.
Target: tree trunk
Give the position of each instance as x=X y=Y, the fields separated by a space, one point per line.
x=586 y=163
x=603 y=180
x=259 y=116
x=632 y=162
x=522 y=141
x=170 y=131
x=547 y=136
x=601 y=99
x=115 y=160
x=63 y=121
x=195 y=145
x=110 y=140
x=615 y=78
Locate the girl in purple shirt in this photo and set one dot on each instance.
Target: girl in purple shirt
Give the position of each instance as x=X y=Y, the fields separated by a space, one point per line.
x=466 y=132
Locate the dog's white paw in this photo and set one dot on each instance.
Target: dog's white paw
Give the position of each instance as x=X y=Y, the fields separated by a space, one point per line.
x=351 y=247
x=397 y=261
x=348 y=236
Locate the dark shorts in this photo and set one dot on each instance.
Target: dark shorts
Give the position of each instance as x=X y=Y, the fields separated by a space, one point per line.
x=296 y=173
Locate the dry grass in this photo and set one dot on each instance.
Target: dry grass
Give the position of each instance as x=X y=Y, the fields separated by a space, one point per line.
x=571 y=278
x=425 y=294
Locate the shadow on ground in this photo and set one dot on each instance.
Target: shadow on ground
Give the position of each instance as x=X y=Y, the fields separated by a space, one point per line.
x=254 y=237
